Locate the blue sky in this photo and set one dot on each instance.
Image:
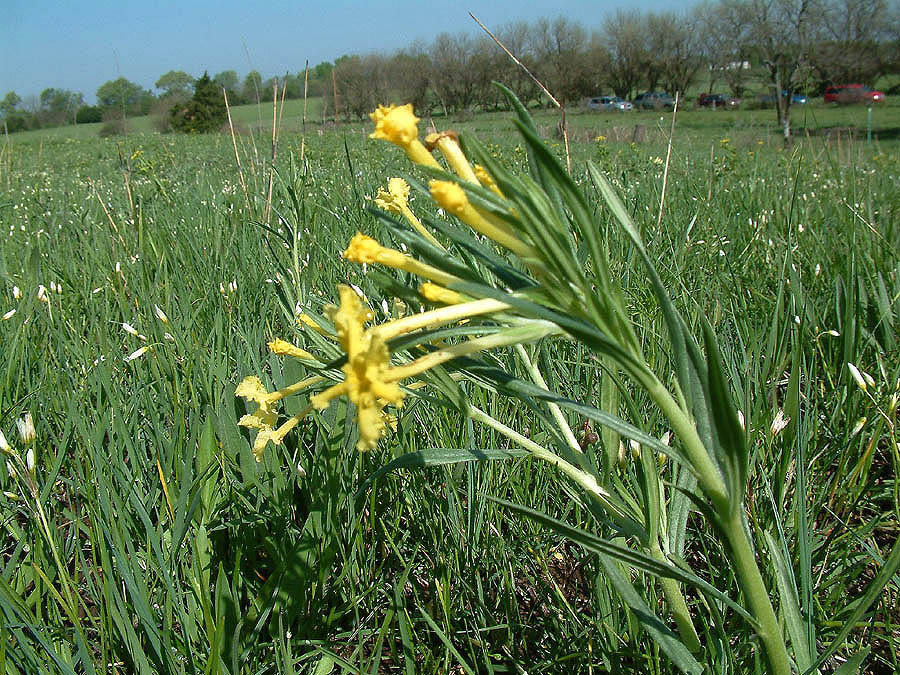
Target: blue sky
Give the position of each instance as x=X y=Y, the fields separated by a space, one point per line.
x=80 y=44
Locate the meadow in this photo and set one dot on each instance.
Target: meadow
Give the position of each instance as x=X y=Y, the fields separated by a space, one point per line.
x=142 y=276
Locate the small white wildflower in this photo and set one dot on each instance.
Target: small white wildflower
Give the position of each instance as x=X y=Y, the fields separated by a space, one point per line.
x=779 y=423
x=161 y=315
x=168 y=337
x=10 y=469
x=128 y=328
x=860 y=423
x=42 y=294
x=17 y=294
x=869 y=379
x=300 y=470
x=4 y=445
x=10 y=314
x=857 y=376
x=741 y=420
x=136 y=354
x=96 y=290
x=29 y=460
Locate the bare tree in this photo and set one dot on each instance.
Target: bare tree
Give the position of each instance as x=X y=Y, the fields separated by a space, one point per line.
x=362 y=83
x=672 y=46
x=518 y=39
x=851 y=50
x=725 y=45
x=408 y=76
x=784 y=33
x=452 y=77
x=623 y=33
x=560 y=51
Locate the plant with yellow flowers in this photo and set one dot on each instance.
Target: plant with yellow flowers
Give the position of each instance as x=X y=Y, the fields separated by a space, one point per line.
x=519 y=261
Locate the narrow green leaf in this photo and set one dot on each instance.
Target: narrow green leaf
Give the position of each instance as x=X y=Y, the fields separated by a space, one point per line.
x=439 y=457
x=636 y=559
x=790 y=603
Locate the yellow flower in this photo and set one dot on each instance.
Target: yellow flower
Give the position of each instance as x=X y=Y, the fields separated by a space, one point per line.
x=487 y=180
x=368 y=362
x=397 y=124
x=284 y=348
x=263 y=419
x=396 y=200
x=453 y=199
x=370 y=381
x=364 y=249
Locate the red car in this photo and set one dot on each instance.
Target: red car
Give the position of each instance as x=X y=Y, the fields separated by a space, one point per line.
x=852 y=93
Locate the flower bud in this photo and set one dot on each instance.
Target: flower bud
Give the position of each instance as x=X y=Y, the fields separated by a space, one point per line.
x=26 y=428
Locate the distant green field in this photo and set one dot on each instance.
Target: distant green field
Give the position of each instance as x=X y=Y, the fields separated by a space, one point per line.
x=743 y=126
x=141 y=277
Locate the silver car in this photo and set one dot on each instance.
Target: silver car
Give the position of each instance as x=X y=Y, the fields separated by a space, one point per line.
x=609 y=103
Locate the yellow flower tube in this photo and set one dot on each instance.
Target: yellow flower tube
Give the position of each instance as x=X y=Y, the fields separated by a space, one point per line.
x=397 y=124
x=365 y=249
x=284 y=348
x=513 y=336
x=439 y=317
x=452 y=198
x=448 y=143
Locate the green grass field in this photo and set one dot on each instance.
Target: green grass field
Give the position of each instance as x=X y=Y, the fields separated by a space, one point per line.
x=147 y=539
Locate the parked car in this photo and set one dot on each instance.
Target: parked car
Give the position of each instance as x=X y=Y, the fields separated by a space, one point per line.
x=718 y=101
x=609 y=103
x=654 y=100
x=796 y=98
x=852 y=93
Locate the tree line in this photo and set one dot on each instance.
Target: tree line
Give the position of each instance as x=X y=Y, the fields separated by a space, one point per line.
x=779 y=45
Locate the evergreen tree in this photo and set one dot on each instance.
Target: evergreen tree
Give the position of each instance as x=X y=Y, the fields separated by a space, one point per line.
x=205 y=112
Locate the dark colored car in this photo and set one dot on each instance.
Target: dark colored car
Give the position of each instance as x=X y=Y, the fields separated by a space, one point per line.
x=654 y=100
x=852 y=93
x=718 y=101
x=796 y=98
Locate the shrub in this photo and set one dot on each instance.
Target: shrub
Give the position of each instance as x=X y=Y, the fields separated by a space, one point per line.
x=205 y=111
x=89 y=114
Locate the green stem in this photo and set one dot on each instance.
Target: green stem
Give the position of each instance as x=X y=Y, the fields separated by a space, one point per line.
x=677 y=605
x=538 y=379
x=702 y=463
x=582 y=478
x=729 y=510
x=754 y=588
